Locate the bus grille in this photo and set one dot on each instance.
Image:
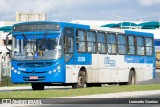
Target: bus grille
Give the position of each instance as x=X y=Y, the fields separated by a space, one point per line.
x=34 y=65
x=42 y=78
x=25 y=72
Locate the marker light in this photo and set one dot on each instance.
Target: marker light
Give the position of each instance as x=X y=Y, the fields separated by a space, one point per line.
x=59 y=67
x=54 y=70
x=50 y=72
x=15 y=71
x=12 y=68
x=18 y=72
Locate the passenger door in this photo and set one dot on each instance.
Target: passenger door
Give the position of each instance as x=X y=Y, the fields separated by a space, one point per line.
x=68 y=43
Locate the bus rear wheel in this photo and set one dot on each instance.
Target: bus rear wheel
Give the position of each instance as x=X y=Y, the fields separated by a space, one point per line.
x=132 y=79
x=81 y=80
x=37 y=86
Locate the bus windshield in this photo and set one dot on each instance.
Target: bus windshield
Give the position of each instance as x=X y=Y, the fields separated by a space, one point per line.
x=36 y=48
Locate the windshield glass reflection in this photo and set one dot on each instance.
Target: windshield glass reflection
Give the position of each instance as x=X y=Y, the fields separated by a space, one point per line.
x=36 y=48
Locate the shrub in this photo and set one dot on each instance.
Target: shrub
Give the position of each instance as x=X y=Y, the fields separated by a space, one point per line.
x=6 y=81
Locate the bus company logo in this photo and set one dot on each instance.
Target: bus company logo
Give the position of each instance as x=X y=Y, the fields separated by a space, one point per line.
x=22 y=69
x=108 y=61
x=81 y=59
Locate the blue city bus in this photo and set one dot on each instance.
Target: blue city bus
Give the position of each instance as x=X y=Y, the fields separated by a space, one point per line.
x=46 y=53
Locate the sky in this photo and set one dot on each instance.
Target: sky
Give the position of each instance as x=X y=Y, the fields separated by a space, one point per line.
x=68 y=10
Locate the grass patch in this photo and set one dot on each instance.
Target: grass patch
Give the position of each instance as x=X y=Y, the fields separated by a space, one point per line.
x=77 y=92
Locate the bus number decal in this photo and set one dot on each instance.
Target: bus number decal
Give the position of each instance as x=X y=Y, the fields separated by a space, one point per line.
x=108 y=61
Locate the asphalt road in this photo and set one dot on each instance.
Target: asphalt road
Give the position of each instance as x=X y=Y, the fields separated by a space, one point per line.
x=100 y=102
x=156 y=80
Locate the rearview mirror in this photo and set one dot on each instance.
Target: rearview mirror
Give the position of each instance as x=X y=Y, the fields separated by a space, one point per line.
x=7 y=40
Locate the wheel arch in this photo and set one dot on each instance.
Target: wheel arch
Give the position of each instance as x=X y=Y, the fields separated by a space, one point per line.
x=83 y=69
x=132 y=71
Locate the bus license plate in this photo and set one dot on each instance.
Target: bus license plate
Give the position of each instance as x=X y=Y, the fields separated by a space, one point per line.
x=33 y=77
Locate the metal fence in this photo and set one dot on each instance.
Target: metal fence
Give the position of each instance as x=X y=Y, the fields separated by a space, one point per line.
x=5 y=67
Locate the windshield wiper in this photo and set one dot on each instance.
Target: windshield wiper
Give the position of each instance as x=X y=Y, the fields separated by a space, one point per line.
x=44 y=38
x=24 y=36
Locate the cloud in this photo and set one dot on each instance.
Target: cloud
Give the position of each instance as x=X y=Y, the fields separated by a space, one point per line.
x=59 y=9
x=67 y=10
x=148 y=2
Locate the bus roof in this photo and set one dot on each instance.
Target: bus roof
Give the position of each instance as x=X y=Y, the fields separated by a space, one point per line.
x=62 y=24
x=139 y=33
x=107 y=29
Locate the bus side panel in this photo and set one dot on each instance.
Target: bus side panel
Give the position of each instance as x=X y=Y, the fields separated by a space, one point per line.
x=143 y=66
x=71 y=73
x=112 y=68
x=105 y=70
x=94 y=70
x=122 y=69
x=75 y=64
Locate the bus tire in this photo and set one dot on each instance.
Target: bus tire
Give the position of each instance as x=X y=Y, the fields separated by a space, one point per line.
x=81 y=80
x=98 y=85
x=89 y=84
x=37 y=86
x=132 y=78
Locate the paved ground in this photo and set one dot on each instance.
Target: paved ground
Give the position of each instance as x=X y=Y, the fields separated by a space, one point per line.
x=156 y=80
x=152 y=81
x=141 y=94
x=19 y=88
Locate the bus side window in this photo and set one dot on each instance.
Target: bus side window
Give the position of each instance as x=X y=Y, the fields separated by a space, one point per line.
x=149 y=46
x=140 y=46
x=91 y=41
x=111 y=41
x=131 y=45
x=121 y=44
x=101 y=42
x=81 y=41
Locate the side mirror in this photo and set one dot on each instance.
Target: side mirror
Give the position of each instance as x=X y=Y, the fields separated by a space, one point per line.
x=7 y=40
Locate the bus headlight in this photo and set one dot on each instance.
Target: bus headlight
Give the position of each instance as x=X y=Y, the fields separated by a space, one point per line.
x=12 y=68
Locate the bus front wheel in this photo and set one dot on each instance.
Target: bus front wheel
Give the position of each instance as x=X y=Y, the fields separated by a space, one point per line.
x=37 y=86
x=81 y=80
